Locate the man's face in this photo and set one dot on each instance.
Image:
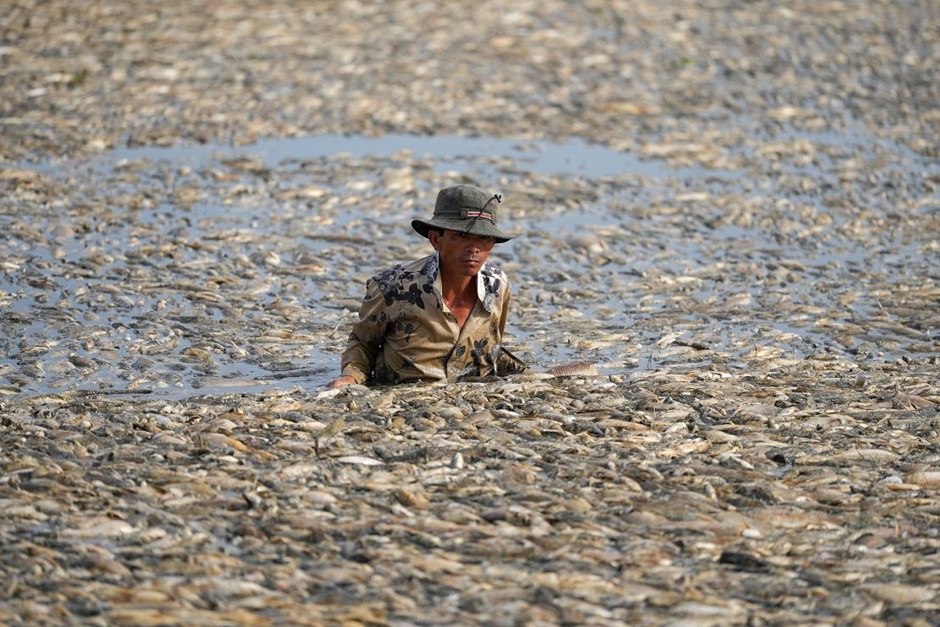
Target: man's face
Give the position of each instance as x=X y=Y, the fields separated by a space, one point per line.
x=461 y=253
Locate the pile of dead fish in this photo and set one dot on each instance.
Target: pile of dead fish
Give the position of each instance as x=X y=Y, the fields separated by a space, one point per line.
x=754 y=440
x=768 y=497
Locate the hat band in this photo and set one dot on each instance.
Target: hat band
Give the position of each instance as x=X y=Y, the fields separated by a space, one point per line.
x=486 y=215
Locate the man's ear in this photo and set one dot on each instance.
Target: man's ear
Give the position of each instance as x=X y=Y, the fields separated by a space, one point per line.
x=435 y=238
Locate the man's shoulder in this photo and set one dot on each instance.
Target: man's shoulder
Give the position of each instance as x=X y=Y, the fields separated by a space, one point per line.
x=403 y=273
x=494 y=272
x=493 y=286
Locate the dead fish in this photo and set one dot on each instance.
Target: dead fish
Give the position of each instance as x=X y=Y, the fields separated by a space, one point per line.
x=899 y=594
x=882 y=456
x=361 y=460
x=576 y=369
x=924 y=478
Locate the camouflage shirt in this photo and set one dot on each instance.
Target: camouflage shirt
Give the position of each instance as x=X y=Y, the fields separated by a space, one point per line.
x=406 y=333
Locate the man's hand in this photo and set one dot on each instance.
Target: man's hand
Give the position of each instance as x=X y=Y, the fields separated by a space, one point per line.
x=342 y=381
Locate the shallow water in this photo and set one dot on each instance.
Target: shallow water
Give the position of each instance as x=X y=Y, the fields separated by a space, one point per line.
x=650 y=221
x=571 y=158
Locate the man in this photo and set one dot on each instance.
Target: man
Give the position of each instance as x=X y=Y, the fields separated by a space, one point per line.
x=442 y=316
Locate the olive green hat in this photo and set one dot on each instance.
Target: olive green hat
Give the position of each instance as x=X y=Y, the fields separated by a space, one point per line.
x=467 y=209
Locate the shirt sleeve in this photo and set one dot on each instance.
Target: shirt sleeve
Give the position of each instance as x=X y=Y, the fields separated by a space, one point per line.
x=506 y=362
x=504 y=314
x=365 y=340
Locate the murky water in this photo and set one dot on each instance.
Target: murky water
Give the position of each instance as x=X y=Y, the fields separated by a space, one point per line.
x=687 y=237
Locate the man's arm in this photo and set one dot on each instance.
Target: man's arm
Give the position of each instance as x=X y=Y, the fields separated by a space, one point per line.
x=358 y=360
x=506 y=362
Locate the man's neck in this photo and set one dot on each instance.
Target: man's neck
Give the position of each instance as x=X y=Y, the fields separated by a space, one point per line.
x=460 y=296
x=458 y=287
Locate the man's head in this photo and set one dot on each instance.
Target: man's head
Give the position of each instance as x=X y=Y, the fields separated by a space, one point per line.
x=464 y=209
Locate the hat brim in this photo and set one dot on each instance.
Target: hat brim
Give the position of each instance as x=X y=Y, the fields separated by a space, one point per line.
x=483 y=228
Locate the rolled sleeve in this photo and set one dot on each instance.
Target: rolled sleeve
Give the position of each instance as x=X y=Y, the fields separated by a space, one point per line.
x=365 y=339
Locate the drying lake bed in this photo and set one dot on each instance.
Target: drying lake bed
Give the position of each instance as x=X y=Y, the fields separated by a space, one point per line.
x=729 y=209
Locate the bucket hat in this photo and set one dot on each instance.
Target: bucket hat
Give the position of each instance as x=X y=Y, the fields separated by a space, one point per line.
x=466 y=209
